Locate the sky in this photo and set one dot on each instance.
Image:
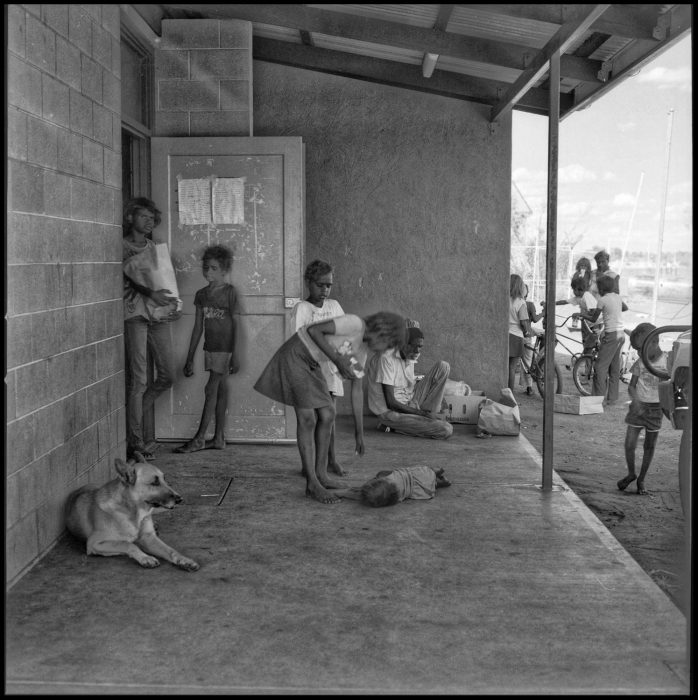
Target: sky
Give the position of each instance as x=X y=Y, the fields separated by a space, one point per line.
x=612 y=174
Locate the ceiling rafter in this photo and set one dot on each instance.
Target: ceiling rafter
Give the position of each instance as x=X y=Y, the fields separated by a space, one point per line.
x=384 y=32
x=584 y=17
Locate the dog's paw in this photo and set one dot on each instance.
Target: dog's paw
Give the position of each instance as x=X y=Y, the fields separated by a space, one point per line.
x=148 y=562
x=186 y=564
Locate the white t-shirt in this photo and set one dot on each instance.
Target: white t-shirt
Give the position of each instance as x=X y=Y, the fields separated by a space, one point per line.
x=392 y=370
x=611 y=308
x=305 y=313
x=647 y=386
x=517 y=312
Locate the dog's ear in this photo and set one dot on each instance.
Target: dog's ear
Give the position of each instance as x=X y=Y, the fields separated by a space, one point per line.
x=126 y=471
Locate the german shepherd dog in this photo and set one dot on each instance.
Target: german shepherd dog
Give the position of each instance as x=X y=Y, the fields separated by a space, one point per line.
x=115 y=519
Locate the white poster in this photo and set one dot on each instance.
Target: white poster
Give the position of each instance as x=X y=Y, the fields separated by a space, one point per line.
x=228 y=200
x=194 y=201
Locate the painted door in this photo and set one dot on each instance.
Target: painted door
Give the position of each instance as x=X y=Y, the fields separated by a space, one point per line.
x=247 y=194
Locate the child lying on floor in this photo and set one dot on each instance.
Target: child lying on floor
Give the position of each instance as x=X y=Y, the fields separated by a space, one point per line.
x=390 y=487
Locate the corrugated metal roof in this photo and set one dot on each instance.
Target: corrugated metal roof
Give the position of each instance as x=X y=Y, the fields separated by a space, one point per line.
x=497 y=54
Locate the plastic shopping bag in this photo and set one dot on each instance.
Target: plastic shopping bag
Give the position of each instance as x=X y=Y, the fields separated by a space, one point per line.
x=152 y=268
x=498 y=419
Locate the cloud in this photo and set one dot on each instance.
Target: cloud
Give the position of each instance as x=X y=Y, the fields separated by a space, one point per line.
x=624 y=200
x=624 y=127
x=575 y=173
x=572 y=209
x=608 y=176
x=665 y=78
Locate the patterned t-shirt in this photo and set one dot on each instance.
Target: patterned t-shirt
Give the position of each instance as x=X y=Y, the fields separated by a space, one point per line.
x=218 y=305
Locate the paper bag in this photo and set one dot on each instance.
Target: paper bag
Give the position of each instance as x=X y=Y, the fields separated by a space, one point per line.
x=498 y=419
x=152 y=268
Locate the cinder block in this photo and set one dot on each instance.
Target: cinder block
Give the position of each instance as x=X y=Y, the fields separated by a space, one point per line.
x=41 y=45
x=101 y=46
x=92 y=160
x=26 y=188
x=43 y=334
x=104 y=438
x=10 y=395
x=68 y=63
x=95 y=322
x=207 y=64
x=33 y=378
x=80 y=113
x=190 y=34
x=27 y=282
x=20 y=443
x=171 y=123
x=116 y=57
x=56 y=107
x=236 y=34
x=16 y=134
x=228 y=123
x=69 y=152
x=102 y=126
x=115 y=319
x=172 y=64
x=56 y=194
x=63 y=469
x=22 y=245
x=83 y=200
x=110 y=357
x=12 y=500
x=86 y=449
x=111 y=19
x=21 y=547
x=105 y=205
x=187 y=95
x=42 y=138
x=91 y=79
x=50 y=520
x=99 y=399
x=23 y=85
x=16 y=30
x=111 y=92
x=48 y=428
x=70 y=331
x=56 y=16
x=19 y=340
x=80 y=28
x=235 y=95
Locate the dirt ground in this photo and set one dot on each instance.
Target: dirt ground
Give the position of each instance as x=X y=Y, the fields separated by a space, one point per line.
x=589 y=455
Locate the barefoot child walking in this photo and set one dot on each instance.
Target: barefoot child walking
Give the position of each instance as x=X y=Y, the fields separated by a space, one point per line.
x=319 y=307
x=644 y=410
x=216 y=309
x=294 y=377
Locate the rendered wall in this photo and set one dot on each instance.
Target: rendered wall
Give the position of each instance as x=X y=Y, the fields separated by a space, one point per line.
x=409 y=196
x=65 y=379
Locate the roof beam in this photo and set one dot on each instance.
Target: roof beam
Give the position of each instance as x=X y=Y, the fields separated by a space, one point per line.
x=627 y=21
x=383 y=32
x=584 y=17
x=401 y=75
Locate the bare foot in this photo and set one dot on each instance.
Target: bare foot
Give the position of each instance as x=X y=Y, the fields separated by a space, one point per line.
x=191 y=446
x=625 y=482
x=330 y=484
x=641 y=491
x=215 y=444
x=322 y=496
x=336 y=468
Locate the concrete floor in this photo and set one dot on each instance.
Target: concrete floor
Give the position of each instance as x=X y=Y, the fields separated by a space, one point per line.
x=491 y=587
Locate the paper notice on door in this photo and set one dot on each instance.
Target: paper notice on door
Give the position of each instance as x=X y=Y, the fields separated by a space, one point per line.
x=228 y=200
x=194 y=201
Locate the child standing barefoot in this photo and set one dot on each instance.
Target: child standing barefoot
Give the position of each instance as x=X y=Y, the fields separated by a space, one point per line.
x=294 y=377
x=216 y=307
x=319 y=307
x=644 y=410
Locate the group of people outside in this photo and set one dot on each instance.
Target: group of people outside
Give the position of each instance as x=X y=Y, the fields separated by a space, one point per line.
x=330 y=347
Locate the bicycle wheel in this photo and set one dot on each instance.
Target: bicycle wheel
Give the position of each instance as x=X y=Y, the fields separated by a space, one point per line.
x=582 y=375
x=540 y=377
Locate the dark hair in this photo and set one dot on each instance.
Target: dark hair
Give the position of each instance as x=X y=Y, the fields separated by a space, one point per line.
x=379 y=492
x=516 y=286
x=316 y=269
x=638 y=334
x=579 y=284
x=413 y=333
x=602 y=254
x=605 y=284
x=221 y=254
x=133 y=205
x=387 y=325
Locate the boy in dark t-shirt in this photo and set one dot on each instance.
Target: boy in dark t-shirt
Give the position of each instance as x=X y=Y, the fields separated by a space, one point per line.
x=216 y=309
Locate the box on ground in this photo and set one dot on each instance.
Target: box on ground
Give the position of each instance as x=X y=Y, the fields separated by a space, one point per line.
x=579 y=405
x=464 y=409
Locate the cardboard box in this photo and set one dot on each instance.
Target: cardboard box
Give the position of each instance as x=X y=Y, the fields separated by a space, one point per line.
x=579 y=405
x=464 y=409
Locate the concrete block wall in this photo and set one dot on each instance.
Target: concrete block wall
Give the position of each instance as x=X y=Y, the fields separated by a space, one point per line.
x=65 y=378
x=203 y=78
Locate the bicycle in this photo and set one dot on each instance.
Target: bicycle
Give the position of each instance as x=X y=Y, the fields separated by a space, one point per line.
x=536 y=369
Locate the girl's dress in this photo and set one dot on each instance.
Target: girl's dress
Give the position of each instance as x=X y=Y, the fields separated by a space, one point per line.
x=294 y=376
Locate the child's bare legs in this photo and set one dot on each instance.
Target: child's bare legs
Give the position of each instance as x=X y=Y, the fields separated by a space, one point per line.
x=308 y=422
x=332 y=464
x=631 y=436
x=647 y=454
x=216 y=405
